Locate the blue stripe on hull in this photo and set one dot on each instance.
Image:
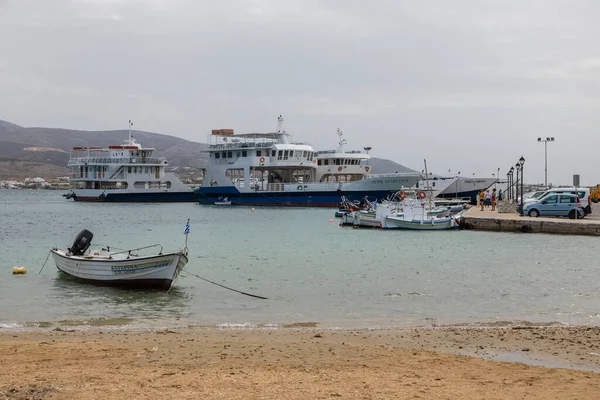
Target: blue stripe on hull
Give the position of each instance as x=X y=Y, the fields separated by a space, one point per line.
x=164 y=197
x=287 y=199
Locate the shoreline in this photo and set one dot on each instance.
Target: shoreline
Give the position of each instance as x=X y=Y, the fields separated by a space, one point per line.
x=302 y=362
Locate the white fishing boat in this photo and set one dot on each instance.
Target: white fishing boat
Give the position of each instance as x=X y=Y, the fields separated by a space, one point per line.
x=223 y=202
x=420 y=214
x=420 y=222
x=127 y=268
x=417 y=217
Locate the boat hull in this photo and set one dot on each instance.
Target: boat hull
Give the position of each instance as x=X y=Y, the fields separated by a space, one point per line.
x=290 y=199
x=357 y=219
x=135 y=197
x=425 y=225
x=157 y=272
x=466 y=187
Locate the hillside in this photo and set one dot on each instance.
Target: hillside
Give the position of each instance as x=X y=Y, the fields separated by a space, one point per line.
x=29 y=152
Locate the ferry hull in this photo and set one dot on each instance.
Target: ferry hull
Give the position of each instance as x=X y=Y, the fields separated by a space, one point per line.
x=289 y=199
x=158 y=197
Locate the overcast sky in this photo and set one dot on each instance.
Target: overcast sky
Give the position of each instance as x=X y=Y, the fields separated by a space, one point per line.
x=468 y=85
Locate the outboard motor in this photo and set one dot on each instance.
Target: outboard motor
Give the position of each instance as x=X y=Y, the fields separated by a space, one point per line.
x=82 y=243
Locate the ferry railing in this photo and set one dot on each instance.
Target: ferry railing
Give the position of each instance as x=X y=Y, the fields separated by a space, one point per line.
x=128 y=160
x=390 y=175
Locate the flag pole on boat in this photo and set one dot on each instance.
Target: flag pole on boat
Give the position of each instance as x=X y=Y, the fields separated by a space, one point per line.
x=427 y=180
x=186 y=231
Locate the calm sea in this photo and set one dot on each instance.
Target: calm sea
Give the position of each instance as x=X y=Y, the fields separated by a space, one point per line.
x=311 y=270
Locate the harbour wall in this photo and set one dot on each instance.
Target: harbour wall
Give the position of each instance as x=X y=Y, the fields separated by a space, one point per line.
x=506 y=219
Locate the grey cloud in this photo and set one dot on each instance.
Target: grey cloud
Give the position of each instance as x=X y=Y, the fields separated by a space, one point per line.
x=469 y=85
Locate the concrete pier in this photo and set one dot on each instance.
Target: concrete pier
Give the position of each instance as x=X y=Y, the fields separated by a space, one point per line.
x=508 y=220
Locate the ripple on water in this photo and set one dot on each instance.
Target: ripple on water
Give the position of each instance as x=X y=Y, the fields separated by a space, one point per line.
x=310 y=270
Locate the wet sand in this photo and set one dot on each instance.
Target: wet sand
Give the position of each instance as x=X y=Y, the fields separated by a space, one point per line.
x=302 y=363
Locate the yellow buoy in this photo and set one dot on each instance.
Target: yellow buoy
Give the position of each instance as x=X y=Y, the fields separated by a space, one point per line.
x=19 y=271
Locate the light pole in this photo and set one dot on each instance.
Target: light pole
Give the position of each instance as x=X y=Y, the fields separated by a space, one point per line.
x=545 y=141
x=522 y=163
x=512 y=181
x=518 y=168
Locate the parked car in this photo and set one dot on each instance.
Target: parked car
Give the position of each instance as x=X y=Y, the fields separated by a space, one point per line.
x=582 y=193
x=555 y=205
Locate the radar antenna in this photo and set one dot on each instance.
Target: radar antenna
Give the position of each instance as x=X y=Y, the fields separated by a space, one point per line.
x=280 y=125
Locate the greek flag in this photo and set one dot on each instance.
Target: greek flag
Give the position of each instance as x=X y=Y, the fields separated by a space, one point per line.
x=187 y=227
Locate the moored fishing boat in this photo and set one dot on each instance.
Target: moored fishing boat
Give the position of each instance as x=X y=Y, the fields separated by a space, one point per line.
x=223 y=202
x=126 y=268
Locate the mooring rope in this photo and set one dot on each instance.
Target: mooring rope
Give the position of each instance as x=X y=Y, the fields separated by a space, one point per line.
x=45 y=262
x=225 y=287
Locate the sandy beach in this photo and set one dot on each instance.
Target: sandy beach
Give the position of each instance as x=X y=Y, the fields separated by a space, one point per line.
x=302 y=362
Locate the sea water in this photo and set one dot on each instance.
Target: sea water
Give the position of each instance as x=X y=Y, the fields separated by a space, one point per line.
x=312 y=270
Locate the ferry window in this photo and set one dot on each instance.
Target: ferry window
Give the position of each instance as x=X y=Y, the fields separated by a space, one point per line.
x=285 y=154
x=244 y=153
x=258 y=153
x=217 y=155
x=279 y=155
x=273 y=152
x=298 y=154
x=305 y=154
x=319 y=162
x=229 y=154
x=224 y=154
x=128 y=170
x=326 y=162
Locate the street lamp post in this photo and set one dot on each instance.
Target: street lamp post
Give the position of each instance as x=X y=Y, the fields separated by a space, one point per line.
x=497 y=179
x=518 y=168
x=545 y=141
x=512 y=179
x=522 y=163
x=507 y=192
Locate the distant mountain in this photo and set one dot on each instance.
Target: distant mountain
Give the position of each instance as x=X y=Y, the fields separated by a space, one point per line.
x=29 y=152
x=38 y=146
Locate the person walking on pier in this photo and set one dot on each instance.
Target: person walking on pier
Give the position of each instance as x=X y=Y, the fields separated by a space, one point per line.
x=494 y=199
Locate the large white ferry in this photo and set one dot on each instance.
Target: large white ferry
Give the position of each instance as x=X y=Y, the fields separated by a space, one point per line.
x=123 y=173
x=271 y=169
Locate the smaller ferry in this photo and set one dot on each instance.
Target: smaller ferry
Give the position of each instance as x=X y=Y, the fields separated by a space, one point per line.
x=123 y=173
